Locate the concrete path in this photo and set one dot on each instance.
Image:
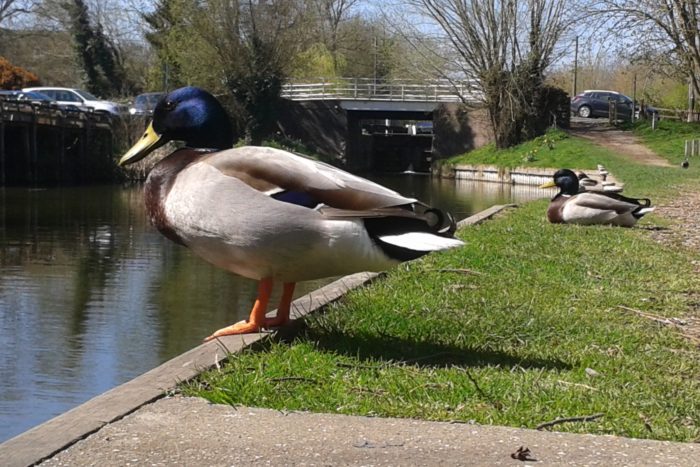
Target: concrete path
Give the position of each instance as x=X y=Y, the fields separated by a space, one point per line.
x=192 y=432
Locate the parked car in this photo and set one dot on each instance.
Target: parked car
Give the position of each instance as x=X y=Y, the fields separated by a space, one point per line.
x=145 y=103
x=80 y=99
x=596 y=103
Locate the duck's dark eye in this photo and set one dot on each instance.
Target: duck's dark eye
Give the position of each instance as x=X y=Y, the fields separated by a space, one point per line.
x=169 y=105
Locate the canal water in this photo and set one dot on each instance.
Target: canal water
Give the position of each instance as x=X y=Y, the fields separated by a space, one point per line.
x=92 y=296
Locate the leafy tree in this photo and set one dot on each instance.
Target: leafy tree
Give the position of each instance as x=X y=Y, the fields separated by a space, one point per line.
x=99 y=59
x=245 y=48
x=164 y=25
x=331 y=15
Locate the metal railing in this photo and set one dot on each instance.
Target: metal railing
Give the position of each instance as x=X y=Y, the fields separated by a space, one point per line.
x=392 y=90
x=14 y=111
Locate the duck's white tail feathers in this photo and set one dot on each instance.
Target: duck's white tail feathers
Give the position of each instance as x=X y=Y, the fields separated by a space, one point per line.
x=641 y=212
x=421 y=241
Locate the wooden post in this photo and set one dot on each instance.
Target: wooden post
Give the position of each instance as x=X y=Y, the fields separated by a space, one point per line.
x=33 y=148
x=27 y=153
x=654 y=120
x=61 y=146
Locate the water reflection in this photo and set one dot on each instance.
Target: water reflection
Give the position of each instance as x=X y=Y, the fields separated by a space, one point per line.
x=92 y=296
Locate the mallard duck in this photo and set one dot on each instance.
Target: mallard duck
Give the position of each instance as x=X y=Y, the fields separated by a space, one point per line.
x=270 y=215
x=571 y=207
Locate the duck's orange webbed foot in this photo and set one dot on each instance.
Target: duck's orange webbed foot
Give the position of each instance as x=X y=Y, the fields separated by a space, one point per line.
x=257 y=318
x=241 y=327
x=258 y=321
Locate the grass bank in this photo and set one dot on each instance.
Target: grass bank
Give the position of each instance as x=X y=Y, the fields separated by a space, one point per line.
x=521 y=326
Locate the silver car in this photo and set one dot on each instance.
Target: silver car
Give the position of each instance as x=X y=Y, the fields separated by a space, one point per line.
x=80 y=99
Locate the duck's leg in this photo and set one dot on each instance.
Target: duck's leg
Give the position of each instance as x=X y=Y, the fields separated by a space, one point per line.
x=257 y=316
x=284 y=307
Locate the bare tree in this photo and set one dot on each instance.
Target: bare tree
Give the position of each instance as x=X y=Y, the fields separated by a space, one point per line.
x=504 y=46
x=664 y=30
x=11 y=8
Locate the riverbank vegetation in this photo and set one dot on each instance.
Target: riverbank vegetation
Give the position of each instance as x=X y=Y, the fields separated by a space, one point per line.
x=526 y=324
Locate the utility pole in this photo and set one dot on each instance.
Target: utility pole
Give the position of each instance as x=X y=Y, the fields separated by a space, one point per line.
x=573 y=93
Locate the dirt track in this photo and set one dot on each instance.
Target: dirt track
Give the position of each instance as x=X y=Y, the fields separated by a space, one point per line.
x=622 y=142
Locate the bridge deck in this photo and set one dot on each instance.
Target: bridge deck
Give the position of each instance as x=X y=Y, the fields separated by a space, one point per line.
x=392 y=90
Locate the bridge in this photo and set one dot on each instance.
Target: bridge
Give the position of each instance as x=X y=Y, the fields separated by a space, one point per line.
x=365 y=122
x=394 y=94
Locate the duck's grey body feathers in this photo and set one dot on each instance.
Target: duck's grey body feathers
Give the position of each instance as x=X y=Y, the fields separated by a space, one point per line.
x=221 y=205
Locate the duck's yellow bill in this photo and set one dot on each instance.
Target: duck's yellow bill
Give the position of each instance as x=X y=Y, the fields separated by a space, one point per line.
x=143 y=147
x=549 y=184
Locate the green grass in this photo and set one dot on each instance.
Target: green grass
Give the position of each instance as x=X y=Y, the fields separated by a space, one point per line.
x=669 y=137
x=512 y=344
x=554 y=149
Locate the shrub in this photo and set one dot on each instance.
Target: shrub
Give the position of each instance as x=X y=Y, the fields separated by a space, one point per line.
x=14 y=77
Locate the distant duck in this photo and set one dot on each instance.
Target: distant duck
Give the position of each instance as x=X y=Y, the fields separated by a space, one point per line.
x=587 y=183
x=271 y=215
x=570 y=206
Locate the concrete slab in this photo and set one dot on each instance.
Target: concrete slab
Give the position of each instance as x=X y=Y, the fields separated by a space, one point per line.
x=189 y=431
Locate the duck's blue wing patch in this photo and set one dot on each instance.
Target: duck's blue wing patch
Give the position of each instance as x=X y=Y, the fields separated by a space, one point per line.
x=296 y=197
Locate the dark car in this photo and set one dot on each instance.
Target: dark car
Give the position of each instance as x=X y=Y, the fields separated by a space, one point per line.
x=596 y=103
x=145 y=103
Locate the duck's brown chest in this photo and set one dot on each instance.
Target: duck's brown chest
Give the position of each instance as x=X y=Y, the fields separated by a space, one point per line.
x=158 y=185
x=555 y=210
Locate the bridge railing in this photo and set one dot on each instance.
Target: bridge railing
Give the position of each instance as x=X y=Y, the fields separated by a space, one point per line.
x=392 y=90
x=14 y=111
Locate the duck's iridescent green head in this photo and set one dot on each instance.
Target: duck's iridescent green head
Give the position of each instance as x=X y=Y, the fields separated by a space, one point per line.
x=189 y=114
x=566 y=180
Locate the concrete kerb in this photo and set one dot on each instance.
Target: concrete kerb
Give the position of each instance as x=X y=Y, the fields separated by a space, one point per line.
x=55 y=435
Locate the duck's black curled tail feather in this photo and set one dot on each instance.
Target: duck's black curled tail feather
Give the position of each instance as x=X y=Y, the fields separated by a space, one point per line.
x=441 y=221
x=643 y=202
x=404 y=238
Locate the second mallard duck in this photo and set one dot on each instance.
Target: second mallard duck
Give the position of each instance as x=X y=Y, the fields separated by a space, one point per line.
x=571 y=207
